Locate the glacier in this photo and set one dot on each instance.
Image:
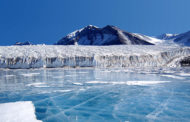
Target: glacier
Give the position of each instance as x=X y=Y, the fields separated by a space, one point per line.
x=118 y=56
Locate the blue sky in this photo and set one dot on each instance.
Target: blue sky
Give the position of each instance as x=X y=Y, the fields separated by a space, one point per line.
x=46 y=21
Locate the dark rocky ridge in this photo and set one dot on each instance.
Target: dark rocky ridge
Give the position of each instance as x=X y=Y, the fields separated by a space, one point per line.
x=23 y=43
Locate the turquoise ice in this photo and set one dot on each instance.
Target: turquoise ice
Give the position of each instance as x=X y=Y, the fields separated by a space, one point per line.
x=100 y=94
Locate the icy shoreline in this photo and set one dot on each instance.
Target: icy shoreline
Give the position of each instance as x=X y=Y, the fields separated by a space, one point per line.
x=51 y=56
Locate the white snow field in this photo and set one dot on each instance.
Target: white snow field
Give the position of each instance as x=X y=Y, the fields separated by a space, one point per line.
x=18 y=112
x=53 y=56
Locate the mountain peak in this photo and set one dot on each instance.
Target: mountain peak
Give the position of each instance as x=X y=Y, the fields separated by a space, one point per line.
x=108 y=35
x=90 y=27
x=111 y=27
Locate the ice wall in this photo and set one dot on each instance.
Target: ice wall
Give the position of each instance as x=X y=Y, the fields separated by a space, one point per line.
x=91 y=56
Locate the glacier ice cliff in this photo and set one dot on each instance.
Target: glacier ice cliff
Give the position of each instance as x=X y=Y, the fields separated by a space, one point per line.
x=54 y=56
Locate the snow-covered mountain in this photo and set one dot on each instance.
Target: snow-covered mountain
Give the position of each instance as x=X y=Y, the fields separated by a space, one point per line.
x=112 y=35
x=183 y=39
x=108 y=35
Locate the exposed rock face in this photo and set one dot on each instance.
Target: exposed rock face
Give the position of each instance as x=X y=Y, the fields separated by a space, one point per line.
x=185 y=62
x=109 y=35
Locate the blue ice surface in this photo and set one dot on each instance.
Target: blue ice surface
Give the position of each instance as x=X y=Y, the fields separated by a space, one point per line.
x=89 y=94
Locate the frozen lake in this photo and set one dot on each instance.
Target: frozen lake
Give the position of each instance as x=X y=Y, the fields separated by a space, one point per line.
x=100 y=94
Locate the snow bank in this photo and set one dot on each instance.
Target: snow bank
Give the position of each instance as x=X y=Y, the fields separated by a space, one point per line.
x=18 y=112
x=37 y=56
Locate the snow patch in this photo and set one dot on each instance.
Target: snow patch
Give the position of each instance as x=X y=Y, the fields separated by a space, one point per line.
x=37 y=85
x=173 y=76
x=98 y=82
x=18 y=112
x=77 y=83
x=68 y=90
x=138 y=83
x=146 y=83
x=30 y=74
x=184 y=74
x=74 y=34
x=149 y=39
x=9 y=76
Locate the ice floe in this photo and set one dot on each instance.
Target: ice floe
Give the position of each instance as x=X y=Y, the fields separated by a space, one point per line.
x=18 y=112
